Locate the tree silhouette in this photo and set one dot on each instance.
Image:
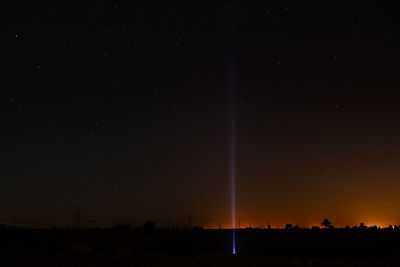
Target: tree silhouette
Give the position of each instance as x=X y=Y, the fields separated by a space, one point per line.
x=362 y=226
x=326 y=223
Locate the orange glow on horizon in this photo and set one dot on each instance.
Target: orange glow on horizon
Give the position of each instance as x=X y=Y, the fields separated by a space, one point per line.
x=281 y=225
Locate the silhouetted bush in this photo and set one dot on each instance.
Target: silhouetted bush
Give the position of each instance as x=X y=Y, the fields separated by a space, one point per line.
x=288 y=226
x=296 y=227
x=374 y=228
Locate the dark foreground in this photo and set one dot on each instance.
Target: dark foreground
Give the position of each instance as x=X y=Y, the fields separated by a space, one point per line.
x=125 y=247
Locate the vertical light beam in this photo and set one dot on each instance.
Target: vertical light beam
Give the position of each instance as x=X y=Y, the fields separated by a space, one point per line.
x=231 y=88
x=232 y=160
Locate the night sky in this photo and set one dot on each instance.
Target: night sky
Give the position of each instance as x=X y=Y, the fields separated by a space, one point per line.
x=122 y=108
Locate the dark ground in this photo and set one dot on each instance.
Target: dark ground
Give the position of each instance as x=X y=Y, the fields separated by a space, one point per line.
x=126 y=247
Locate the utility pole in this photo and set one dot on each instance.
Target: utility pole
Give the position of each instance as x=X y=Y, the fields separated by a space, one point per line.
x=190 y=221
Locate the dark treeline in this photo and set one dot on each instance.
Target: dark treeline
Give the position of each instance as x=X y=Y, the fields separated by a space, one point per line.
x=124 y=245
x=147 y=226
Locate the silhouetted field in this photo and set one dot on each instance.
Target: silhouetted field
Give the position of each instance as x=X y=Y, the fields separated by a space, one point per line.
x=135 y=247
